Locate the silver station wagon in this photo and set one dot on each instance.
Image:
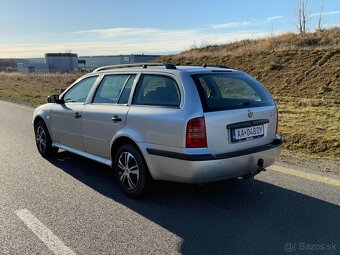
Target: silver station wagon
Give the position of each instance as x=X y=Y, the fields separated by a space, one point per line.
x=164 y=122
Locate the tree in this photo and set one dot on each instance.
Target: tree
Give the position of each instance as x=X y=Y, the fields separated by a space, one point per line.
x=303 y=16
x=320 y=18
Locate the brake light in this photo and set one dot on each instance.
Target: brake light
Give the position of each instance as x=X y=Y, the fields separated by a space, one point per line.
x=196 y=133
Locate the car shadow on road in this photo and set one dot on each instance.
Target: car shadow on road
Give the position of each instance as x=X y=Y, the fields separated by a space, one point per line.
x=230 y=217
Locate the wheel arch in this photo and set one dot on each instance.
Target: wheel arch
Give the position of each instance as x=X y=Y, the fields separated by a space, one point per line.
x=39 y=117
x=118 y=142
x=121 y=140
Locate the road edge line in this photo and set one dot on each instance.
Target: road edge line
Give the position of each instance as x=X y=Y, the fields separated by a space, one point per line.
x=309 y=176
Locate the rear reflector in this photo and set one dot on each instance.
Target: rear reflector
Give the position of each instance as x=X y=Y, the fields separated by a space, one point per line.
x=196 y=133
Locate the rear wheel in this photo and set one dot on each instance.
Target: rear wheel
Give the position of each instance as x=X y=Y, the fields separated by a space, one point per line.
x=43 y=140
x=131 y=171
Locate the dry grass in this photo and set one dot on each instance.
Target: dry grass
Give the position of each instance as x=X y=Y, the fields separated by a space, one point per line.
x=32 y=89
x=310 y=127
x=318 y=40
x=301 y=73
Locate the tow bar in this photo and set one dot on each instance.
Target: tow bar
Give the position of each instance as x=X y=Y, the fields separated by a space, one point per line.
x=259 y=169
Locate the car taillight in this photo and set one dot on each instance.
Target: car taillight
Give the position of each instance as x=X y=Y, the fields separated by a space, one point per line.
x=196 y=133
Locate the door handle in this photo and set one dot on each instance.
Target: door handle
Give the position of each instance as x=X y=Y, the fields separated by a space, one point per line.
x=77 y=115
x=116 y=118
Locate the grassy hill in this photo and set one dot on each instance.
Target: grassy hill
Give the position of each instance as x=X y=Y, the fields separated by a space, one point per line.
x=288 y=65
x=301 y=72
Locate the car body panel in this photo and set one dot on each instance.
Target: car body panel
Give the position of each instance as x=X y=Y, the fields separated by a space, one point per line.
x=187 y=171
x=219 y=136
x=43 y=111
x=65 y=128
x=98 y=127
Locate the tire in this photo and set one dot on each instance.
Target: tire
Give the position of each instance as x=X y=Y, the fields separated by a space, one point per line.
x=43 y=140
x=131 y=171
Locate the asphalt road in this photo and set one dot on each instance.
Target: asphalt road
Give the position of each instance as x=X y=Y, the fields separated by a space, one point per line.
x=71 y=205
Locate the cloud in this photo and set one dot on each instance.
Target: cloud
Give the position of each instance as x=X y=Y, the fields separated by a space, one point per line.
x=317 y=14
x=115 y=41
x=134 y=40
x=232 y=25
x=118 y=31
x=125 y=32
x=269 y=19
x=245 y=23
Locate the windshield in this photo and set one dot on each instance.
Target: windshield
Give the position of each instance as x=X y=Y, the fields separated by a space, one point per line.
x=226 y=91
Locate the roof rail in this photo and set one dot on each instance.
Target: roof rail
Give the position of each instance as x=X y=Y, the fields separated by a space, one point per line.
x=219 y=66
x=143 y=65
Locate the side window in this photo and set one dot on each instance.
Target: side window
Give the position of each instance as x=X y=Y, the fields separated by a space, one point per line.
x=157 y=90
x=124 y=97
x=79 y=92
x=110 y=89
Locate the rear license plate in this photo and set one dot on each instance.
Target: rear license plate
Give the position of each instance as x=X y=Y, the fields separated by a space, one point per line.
x=247 y=133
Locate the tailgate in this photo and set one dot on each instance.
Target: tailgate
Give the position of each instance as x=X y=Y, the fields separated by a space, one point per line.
x=233 y=130
x=239 y=112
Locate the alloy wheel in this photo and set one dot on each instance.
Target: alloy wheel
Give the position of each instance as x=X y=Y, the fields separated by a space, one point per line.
x=41 y=138
x=128 y=171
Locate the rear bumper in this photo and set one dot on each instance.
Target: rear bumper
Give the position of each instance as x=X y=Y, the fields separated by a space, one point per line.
x=196 y=168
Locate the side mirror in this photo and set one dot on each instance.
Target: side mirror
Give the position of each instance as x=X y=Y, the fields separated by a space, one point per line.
x=54 y=99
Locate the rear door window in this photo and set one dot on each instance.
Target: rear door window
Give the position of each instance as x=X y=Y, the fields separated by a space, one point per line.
x=110 y=89
x=124 y=96
x=226 y=91
x=157 y=90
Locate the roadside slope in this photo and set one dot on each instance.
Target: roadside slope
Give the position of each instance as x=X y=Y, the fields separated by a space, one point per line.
x=303 y=75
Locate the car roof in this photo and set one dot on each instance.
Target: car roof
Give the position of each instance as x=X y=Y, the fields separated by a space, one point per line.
x=161 y=67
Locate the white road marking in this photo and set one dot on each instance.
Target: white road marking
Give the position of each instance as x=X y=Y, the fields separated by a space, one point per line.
x=43 y=233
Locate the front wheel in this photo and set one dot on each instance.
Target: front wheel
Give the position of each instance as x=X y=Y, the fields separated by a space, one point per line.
x=43 y=140
x=131 y=171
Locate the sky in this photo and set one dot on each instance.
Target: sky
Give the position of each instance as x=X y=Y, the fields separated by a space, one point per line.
x=111 y=27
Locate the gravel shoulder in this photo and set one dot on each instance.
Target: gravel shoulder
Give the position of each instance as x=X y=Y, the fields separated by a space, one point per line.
x=324 y=166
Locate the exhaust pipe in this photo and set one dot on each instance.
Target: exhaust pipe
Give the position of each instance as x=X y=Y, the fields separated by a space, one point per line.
x=259 y=169
x=260 y=163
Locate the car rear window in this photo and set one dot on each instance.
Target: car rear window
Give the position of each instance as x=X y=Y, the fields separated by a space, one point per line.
x=227 y=91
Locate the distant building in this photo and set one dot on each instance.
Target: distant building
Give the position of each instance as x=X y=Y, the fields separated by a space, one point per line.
x=8 y=64
x=93 y=62
x=62 y=62
x=70 y=62
x=32 y=66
